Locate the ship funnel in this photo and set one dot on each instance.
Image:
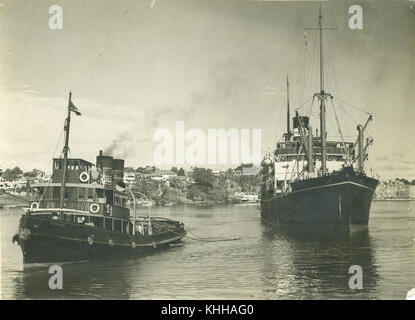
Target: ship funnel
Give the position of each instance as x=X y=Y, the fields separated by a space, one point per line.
x=304 y=122
x=106 y=164
x=118 y=170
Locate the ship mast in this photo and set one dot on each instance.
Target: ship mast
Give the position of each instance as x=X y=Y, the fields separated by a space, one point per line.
x=65 y=152
x=288 y=135
x=322 y=99
x=322 y=96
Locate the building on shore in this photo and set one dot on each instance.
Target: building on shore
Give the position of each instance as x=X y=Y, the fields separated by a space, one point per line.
x=129 y=179
x=411 y=191
x=246 y=196
x=161 y=175
x=395 y=189
x=248 y=169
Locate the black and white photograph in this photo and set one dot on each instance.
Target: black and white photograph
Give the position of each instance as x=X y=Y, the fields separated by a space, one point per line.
x=183 y=150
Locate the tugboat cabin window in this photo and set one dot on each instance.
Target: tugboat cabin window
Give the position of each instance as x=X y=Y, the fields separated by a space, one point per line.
x=69 y=217
x=56 y=192
x=72 y=164
x=108 y=224
x=57 y=165
x=81 y=194
x=100 y=193
x=41 y=190
x=117 y=201
x=117 y=225
x=91 y=193
x=109 y=196
x=97 y=221
x=47 y=193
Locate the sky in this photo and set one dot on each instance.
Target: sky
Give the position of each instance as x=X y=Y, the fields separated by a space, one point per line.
x=136 y=66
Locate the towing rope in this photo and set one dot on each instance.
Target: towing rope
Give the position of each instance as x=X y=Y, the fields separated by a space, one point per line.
x=198 y=238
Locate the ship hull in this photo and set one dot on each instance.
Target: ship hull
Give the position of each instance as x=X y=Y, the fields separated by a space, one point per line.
x=48 y=241
x=338 y=199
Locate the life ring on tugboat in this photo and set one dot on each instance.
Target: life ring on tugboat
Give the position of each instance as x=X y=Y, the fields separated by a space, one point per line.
x=34 y=206
x=84 y=177
x=90 y=241
x=94 y=208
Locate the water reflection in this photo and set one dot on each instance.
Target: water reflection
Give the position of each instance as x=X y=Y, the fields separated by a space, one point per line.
x=316 y=260
x=104 y=279
x=265 y=263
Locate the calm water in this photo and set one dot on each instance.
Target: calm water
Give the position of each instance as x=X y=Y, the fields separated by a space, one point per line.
x=266 y=263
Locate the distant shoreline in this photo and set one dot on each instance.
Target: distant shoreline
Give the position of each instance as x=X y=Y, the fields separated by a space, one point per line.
x=194 y=204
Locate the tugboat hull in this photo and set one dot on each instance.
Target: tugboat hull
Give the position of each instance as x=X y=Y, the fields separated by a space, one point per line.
x=339 y=199
x=46 y=241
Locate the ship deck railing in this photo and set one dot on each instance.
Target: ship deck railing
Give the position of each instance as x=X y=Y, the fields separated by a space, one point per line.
x=137 y=218
x=158 y=224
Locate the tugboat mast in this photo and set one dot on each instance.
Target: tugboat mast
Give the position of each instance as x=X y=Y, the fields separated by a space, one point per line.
x=65 y=152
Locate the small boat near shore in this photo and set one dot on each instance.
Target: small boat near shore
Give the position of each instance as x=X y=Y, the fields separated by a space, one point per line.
x=83 y=214
x=10 y=206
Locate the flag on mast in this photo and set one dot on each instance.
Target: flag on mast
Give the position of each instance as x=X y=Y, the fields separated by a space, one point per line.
x=73 y=108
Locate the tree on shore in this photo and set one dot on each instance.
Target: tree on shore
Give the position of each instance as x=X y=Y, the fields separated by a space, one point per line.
x=204 y=177
x=403 y=180
x=12 y=174
x=32 y=174
x=144 y=185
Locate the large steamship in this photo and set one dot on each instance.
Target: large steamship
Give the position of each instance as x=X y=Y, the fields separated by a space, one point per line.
x=84 y=213
x=312 y=180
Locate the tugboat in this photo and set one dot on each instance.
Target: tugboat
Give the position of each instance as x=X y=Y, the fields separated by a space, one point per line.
x=84 y=214
x=311 y=180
